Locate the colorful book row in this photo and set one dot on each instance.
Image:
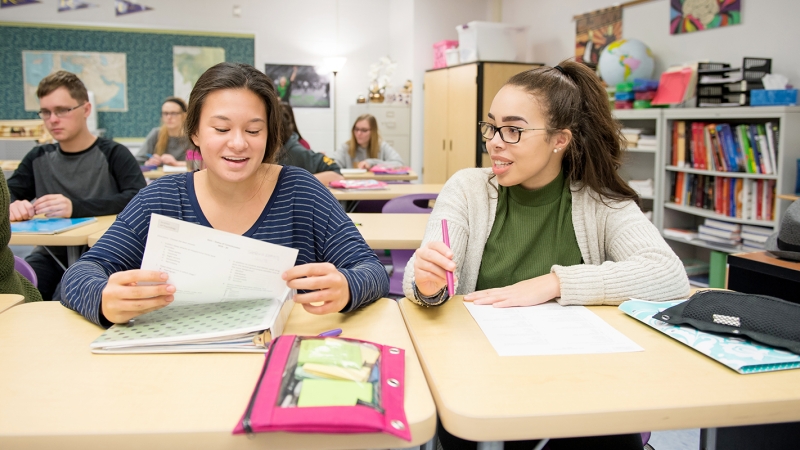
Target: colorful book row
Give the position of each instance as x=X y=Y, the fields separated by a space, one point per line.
x=724 y=147
x=742 y=198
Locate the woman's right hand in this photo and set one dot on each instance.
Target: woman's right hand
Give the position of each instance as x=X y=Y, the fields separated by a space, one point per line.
x=123 y=299
x=154 y=160
x=431 y=264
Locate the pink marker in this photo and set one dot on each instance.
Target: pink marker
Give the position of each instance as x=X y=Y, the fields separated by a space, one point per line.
x=446 y=238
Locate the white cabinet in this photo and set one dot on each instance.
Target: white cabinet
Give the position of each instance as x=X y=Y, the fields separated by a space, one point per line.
x=394 y=124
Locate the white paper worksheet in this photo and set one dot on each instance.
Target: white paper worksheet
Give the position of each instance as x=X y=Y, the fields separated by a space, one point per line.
x=208 y=265
x=548 y=329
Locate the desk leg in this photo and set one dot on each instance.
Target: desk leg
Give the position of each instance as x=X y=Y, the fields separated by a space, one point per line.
x=73 y=254
x=708 y=439
x=430 y=445
x=491 y=445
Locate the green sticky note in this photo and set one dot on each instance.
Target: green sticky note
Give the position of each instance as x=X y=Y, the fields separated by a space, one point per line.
x=333 y=393
x=332 y=352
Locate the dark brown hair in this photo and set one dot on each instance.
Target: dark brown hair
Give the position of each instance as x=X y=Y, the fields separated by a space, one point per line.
x=228 y=75
x=574 y=99
x=62 y=78
x=374 y=138
x=287 y=108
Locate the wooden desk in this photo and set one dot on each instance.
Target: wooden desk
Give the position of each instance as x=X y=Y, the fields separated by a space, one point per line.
x=57 y=394
x=761 y=273
x=9 y=165
x=8 y=301
x=410 y=176
x=391 y=191
x=789 y=197
x=73 y=239
x=392 y=231
x=158 y=173
x=483 y=397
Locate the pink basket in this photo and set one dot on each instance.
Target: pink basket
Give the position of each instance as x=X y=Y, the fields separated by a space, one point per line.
x=439 y=48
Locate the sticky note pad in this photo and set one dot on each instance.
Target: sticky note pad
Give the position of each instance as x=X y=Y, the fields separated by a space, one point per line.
x=333 y=393
x=369 y=355
x=332 y=352
x=336 y=372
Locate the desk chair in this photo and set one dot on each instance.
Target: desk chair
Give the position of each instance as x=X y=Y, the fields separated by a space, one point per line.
x=645 y=438
x=22 y=266
x=414 y=204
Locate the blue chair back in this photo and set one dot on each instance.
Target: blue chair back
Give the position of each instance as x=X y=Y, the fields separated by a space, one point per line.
x=22 y=266
x=408 y=204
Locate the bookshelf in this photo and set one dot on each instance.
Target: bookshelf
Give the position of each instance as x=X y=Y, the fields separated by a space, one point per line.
x=641 y=164
x=685 y=216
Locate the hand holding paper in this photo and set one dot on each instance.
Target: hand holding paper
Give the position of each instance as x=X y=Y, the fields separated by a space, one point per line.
x=123 y=299
x=330 y=290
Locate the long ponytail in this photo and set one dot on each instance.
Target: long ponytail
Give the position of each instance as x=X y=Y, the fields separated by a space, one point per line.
x=573 y=98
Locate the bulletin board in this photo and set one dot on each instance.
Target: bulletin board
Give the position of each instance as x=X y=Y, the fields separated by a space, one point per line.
x=149 y=55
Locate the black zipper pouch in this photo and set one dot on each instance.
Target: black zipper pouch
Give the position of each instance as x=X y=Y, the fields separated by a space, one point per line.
x=768 y=320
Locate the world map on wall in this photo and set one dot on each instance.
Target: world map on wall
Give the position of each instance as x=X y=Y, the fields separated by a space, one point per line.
x=104 y=74
x=188 y=63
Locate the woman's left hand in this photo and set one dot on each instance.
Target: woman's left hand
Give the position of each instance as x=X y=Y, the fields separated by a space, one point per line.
x=330 y=291
x=363 y=165
x=525 y=293
x=168 y=160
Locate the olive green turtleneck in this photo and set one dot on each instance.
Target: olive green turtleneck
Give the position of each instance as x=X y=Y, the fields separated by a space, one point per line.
x=11 y=281
x=532 y=231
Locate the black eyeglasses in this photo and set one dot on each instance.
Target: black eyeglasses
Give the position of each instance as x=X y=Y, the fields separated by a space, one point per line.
x=59 y=112
x=508 y=133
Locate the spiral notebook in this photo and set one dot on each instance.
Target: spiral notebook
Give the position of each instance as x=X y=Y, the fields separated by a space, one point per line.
x=49 y=226
x=739 y=354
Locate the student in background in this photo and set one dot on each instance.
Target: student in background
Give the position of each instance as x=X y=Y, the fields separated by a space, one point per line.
x=294 y=154
x=288 y=108
x=366 y=148
x=11 y=281
x=79 y=176
x=234 y=119
x=167 y=144
x=552 y=218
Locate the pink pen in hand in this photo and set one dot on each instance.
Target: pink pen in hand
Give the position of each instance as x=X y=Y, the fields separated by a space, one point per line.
x=446 y=238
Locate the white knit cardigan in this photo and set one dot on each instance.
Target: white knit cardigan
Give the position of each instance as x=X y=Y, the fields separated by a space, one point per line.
x=624 y=255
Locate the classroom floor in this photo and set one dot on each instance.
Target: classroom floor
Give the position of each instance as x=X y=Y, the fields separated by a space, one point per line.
x=676 y=439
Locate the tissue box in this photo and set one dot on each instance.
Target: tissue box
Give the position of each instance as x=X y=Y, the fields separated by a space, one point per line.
x=773 y=97
x=491 y=41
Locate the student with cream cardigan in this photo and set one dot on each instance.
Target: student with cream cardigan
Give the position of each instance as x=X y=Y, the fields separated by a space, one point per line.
x=552 y=219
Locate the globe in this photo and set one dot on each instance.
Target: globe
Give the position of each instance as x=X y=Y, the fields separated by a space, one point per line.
x=624 y=60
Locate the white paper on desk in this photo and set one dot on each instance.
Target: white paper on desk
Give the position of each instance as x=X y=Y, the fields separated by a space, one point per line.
x=207 y=265
x=548 y=329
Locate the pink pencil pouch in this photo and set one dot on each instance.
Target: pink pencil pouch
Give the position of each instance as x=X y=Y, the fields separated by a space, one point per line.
x=312 y=384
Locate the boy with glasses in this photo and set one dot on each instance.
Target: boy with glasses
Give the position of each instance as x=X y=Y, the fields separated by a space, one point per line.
x=81 y=175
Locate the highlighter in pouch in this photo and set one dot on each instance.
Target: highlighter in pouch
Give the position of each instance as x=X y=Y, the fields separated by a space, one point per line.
x=337 y=385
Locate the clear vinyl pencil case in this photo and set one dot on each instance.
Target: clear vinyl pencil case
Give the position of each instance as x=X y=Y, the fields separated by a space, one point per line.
x=317 y=384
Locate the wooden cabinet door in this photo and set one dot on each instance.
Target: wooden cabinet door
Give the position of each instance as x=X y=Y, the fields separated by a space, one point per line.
x=462 y=116
x=434 y=160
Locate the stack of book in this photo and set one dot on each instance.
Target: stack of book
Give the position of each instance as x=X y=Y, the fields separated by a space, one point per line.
x=753 y=237
x=642 y=187
x=721 y=233
x=639 y=138
x=681 y=234
x=644 y=91
x=697 y=271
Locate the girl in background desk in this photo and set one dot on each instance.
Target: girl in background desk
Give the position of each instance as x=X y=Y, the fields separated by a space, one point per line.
x=552 y=218
x=234 y=118
x=366 y=148
x=167 y=144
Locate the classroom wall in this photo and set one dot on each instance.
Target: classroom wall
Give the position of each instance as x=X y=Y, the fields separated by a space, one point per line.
x=766 y=30
x=286 y=32
x=435 y=21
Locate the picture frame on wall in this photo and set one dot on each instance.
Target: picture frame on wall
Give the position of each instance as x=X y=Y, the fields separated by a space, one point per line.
x=301 y=86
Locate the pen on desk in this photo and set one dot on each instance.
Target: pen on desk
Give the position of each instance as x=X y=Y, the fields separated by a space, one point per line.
x=446 y=238
x=358 y=224
x=331 y=333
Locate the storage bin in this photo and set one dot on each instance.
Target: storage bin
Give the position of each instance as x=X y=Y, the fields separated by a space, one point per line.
x=439 y=49
x=773 y=97
x=491 y=41
x=452 y=56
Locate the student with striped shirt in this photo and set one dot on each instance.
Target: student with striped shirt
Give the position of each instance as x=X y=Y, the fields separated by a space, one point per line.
x=234 y=119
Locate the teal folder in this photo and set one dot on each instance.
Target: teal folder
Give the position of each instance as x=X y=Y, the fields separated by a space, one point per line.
x=49 y=226
x=739 y=354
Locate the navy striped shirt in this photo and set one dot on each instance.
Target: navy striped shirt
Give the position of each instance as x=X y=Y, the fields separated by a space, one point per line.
x=301 y=214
